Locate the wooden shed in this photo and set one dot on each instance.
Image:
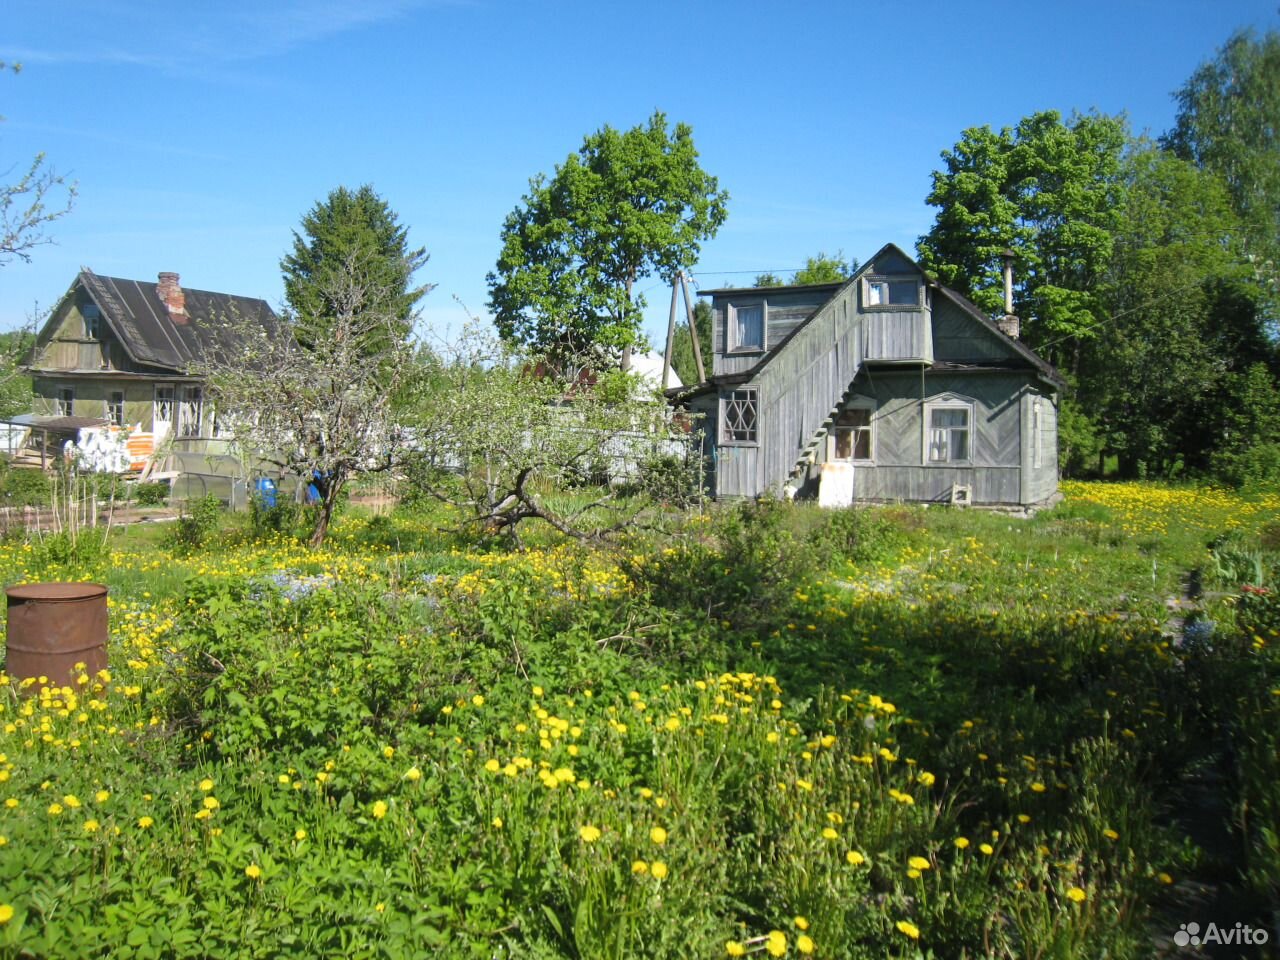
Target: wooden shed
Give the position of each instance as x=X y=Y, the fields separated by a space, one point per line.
x=886 y=387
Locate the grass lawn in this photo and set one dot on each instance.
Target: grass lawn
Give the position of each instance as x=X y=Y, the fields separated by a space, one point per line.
x=769 y=731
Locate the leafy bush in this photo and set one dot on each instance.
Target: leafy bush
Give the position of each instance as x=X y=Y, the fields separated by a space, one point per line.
x=200 y=517
x=24 y=487
x=153 y=494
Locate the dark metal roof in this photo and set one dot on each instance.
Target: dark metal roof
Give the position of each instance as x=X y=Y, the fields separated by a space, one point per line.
x=153 y=336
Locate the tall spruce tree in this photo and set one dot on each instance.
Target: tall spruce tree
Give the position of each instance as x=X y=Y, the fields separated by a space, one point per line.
x=351 y=226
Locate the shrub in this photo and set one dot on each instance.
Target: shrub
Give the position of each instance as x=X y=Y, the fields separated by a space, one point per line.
x=23 y=487
x=199 y=518
x=151 y=494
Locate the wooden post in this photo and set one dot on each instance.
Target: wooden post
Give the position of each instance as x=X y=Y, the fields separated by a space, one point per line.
x=671 y=339
x=693 y=329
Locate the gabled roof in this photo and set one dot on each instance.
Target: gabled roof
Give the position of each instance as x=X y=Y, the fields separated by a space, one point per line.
x=1042 y=366
x=149 y=333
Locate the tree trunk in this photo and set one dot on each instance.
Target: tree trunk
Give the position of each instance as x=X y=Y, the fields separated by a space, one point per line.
x=329 y=490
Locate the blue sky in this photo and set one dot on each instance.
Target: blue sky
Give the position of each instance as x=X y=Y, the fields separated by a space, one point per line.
x=199 y=134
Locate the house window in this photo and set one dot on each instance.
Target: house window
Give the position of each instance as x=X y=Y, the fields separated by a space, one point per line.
x=851 y=436
x=885 y=292
x=92 y=321
x=739 y=416
x=189 y=412
x=746 y=327
x=65 y=401
x=947 y=431
x=219 y=428
x=162 y=410
x=115 y=407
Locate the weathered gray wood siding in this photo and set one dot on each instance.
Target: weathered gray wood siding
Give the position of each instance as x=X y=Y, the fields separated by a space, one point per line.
x=784 y=311
x=956 y=337
x=1040 y=480
x=898 y=335
x=900 y=472
x=71 y=348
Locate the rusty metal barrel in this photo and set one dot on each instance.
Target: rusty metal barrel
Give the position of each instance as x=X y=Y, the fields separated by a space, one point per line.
x=54 y=626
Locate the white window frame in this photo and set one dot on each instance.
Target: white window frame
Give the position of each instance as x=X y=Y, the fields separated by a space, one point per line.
x=65 y=400
x=113 y=407
x=928 y=440
x=158 y=401
x=732 y=333
x=184 y=406
x=876 y=290
x=750 y=397
x=833 y=440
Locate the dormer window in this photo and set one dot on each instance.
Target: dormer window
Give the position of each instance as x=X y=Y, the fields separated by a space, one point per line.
x=746 y=327
x=891 y=292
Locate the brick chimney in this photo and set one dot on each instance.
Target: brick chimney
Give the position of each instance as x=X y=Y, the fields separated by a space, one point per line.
x=171 y=293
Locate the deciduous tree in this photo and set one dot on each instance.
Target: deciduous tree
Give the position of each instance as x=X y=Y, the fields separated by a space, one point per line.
x=628 y=204
x=825 y=269
x=508 y=437
x=39 y=196
x=322 y=408
x=1050 y=191
x=1227 y=124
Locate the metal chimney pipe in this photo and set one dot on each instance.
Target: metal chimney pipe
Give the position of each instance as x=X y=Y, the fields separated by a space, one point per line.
x=1008 y=280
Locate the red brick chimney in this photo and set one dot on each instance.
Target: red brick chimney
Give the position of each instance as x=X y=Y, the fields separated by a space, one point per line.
x=171 y=293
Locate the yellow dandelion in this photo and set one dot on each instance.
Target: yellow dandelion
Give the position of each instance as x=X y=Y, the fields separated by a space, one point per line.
x=961 y=842
x=299 y=834
x=804 y=943
x=918 y=863
x=829 y=833
x=732 y=947
x=658 y=835
x=413 y=774
x=379 y=809
x=908 y=928
x=1076 y=895
x=1110 y=834
x=6 y=914
x=776 y=944
x=589 y=834
x=658 y=869
x=639 y=867
x=206 y=784
x=253 y=871
x=986 y=848
x=92 y=826
x=801 y=923
x=855 y=858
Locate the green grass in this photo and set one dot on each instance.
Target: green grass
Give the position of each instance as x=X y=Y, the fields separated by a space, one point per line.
x=866 y=733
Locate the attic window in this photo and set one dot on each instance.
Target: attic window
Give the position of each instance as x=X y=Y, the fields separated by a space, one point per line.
x=65 y=401
x=891 y=292
x=92 y=321
x=746 y=327
x=739 y=416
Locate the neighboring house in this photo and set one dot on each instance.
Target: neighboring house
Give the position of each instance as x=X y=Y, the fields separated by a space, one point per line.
x=886 y=387
x=121 y=350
